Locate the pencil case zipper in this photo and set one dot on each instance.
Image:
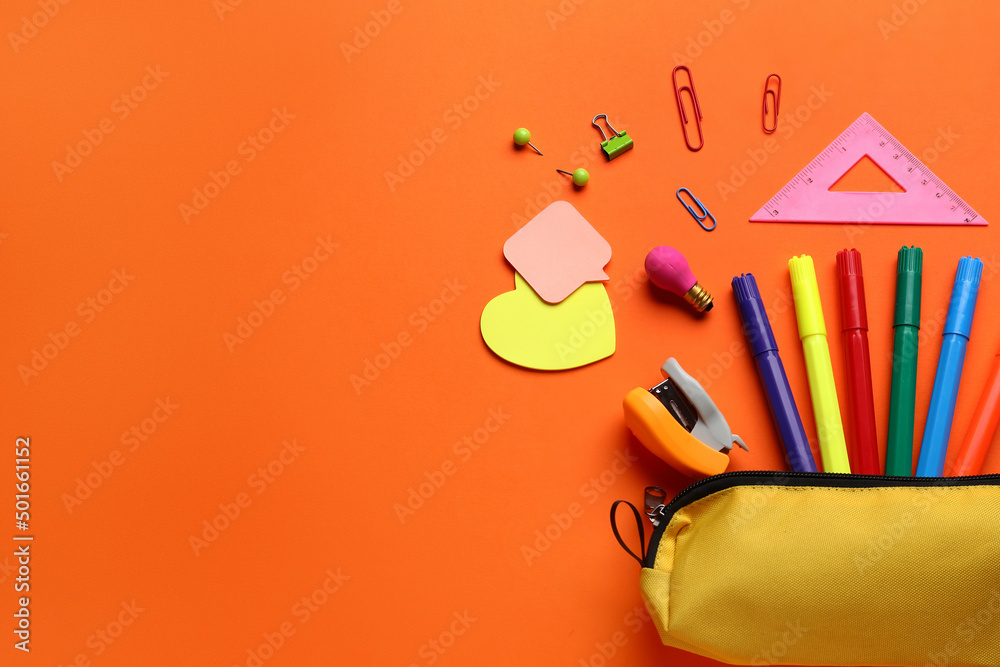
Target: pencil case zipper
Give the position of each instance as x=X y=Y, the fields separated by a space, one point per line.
x=706 y=487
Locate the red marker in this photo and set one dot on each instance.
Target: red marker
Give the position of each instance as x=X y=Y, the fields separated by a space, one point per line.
x=861 y=431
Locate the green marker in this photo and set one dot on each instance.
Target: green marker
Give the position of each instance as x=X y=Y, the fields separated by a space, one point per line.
x=906 y=325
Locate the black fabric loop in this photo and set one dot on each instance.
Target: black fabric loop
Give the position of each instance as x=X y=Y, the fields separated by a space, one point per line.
x=641 y=557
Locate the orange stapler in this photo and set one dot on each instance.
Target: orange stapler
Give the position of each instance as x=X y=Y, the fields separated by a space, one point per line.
x=677 y=421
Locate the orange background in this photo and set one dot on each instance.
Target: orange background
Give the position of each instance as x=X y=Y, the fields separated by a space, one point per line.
x=405 y=581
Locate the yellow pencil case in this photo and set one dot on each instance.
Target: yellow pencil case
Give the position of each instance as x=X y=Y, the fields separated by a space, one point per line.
x=782 y=568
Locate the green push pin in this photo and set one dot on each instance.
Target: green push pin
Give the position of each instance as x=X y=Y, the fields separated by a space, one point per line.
x=522 y=137
x=580 y=176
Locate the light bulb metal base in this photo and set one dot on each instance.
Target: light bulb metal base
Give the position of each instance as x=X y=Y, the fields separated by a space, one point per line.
x=698 y=297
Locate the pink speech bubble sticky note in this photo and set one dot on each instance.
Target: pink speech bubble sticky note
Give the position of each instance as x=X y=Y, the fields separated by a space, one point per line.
x=557 y=251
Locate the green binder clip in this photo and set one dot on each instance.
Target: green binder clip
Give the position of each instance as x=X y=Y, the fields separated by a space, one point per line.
x=619 y=142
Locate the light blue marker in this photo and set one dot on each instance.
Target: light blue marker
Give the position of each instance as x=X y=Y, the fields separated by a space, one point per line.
x=957 y=328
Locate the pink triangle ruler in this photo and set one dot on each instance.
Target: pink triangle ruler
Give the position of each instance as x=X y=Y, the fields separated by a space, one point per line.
x=926 y=200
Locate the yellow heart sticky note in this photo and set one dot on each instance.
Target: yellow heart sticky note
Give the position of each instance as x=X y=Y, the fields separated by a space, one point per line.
x=525 y=330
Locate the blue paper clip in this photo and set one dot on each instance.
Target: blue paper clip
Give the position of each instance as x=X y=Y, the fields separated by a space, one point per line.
x=700 y=218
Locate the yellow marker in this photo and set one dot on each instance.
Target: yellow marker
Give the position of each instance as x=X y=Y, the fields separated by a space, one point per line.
x=812 y=332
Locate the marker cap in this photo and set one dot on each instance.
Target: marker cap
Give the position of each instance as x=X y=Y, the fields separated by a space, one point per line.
x=805 y=291
x=909 y=271
x=756 y=326
x=963 y=296
x=854 y=314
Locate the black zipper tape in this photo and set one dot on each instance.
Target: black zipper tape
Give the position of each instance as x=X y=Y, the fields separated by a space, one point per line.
x=709 y=485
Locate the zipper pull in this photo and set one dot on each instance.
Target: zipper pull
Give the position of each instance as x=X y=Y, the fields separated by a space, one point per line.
x=655 y=503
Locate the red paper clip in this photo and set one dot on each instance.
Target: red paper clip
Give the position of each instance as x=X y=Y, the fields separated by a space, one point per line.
x=680 y=108
x=776 y=98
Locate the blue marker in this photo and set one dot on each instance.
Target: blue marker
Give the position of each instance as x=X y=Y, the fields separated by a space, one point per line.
x=957 y=328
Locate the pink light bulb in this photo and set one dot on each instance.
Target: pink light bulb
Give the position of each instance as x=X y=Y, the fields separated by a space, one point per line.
x=667 y=269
